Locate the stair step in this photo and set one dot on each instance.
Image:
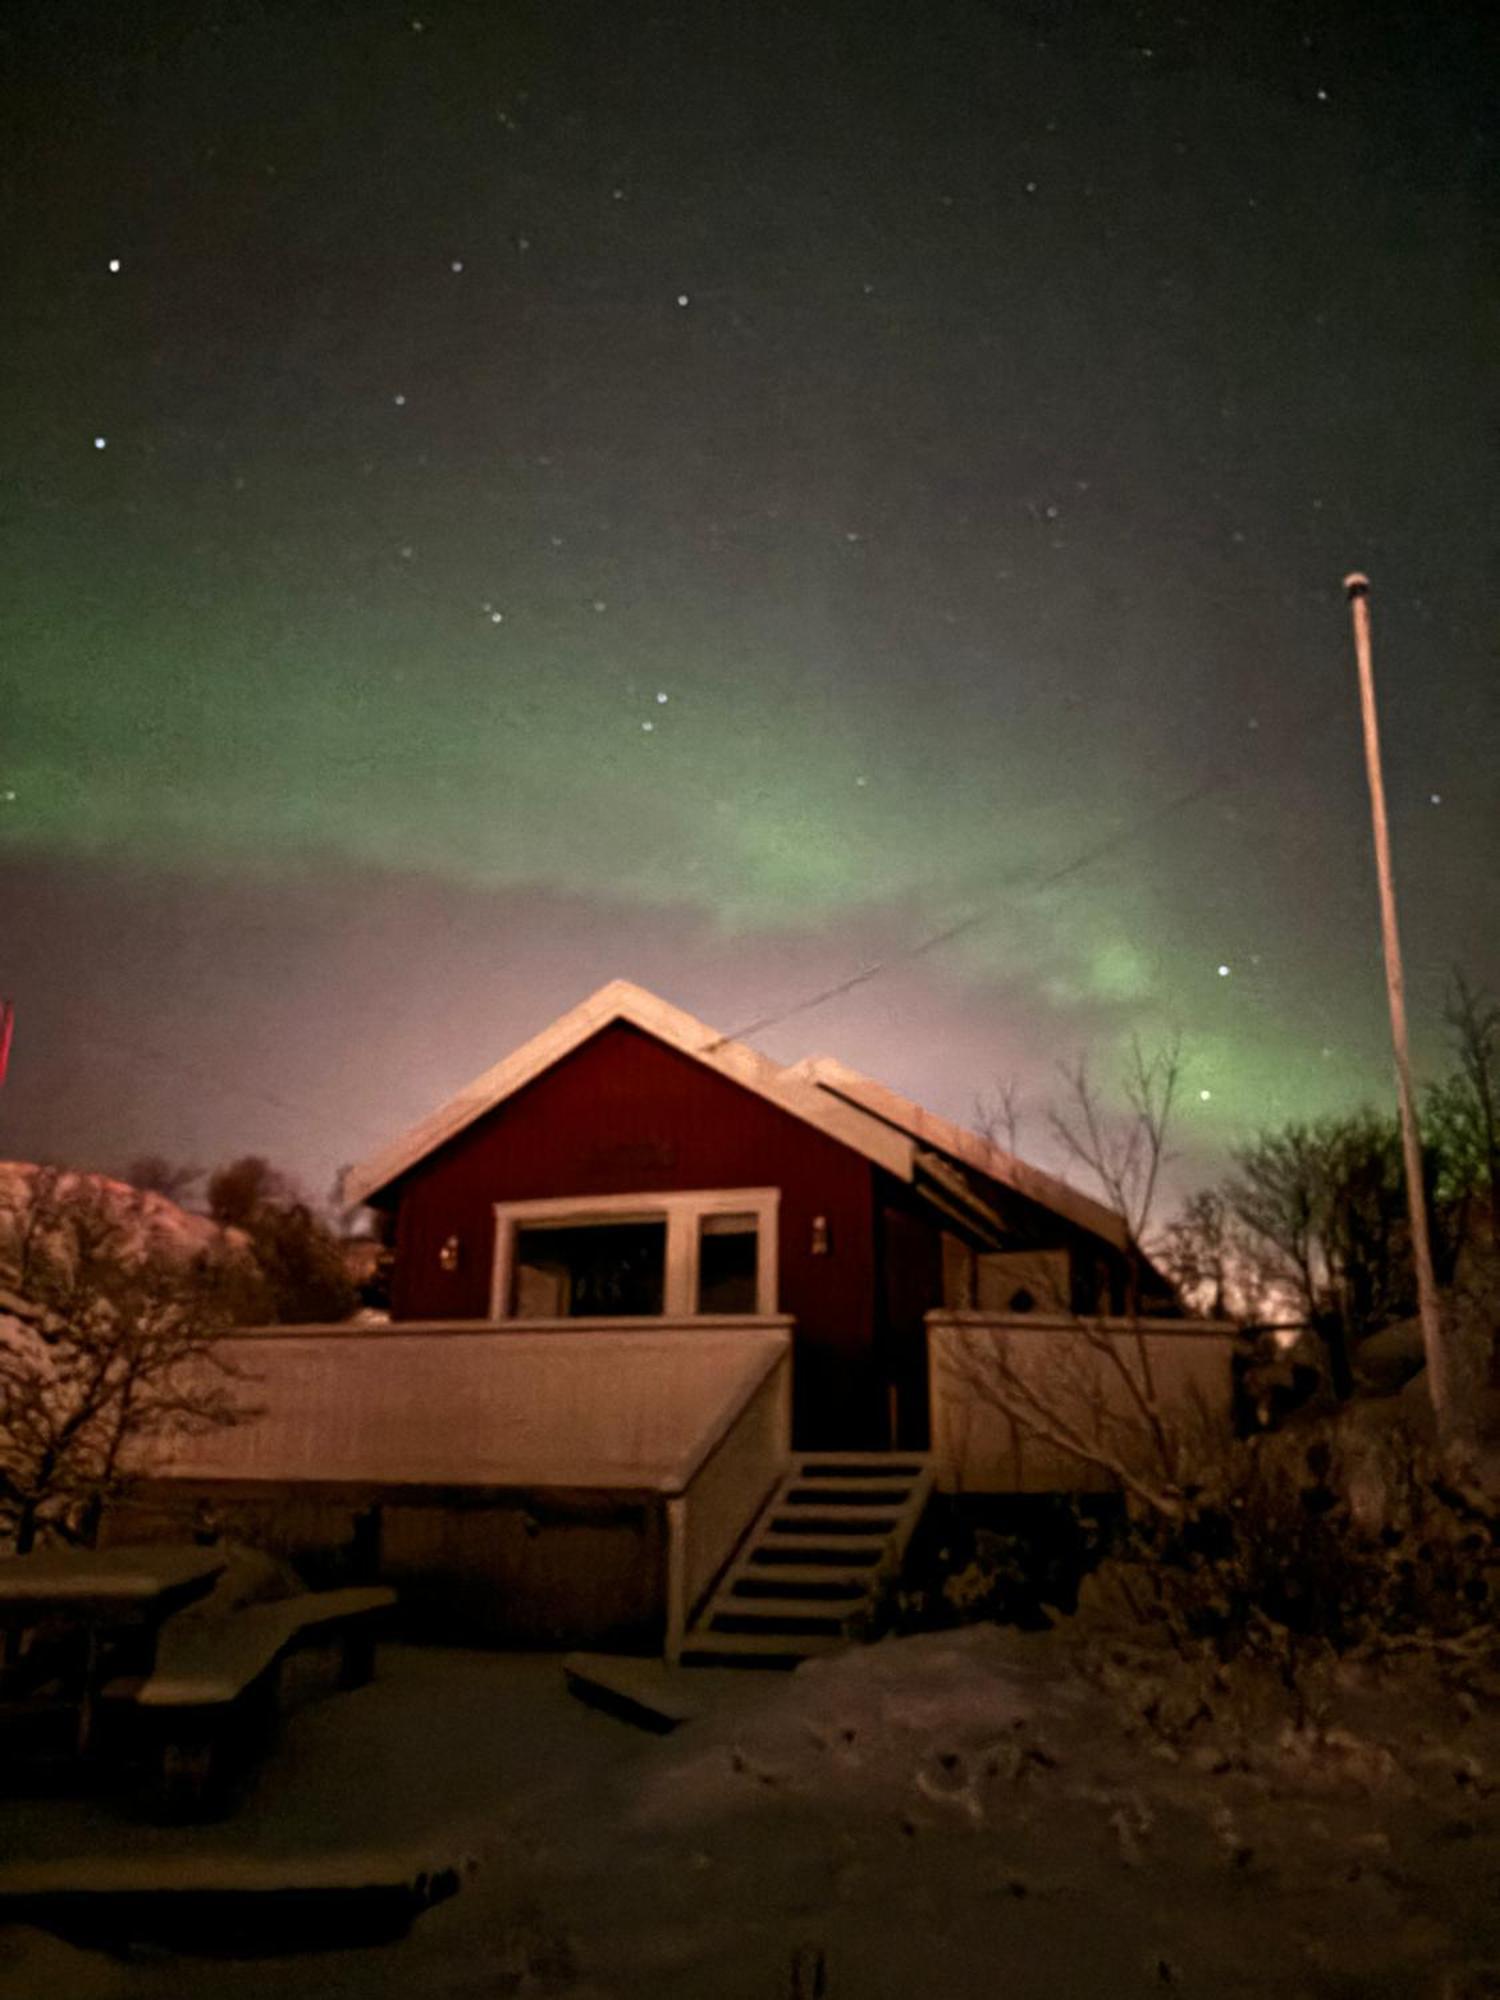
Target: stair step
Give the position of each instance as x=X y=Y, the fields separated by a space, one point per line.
x=844 y=1468
x=801 y=1513
x=795 y=1545
x=792 y=1616
x=806 y=1579
x=811 y=1572
x=875 y=1461
x=830 y=1493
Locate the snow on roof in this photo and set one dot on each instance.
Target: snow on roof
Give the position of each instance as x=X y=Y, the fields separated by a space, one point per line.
x=853 y=1109
x=622 y=1001
x=880 y=1101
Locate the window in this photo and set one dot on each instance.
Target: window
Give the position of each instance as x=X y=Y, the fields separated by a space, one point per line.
x=1023 y=1281
x=593 y=1269
x=728 y=1258
x=702 y=1254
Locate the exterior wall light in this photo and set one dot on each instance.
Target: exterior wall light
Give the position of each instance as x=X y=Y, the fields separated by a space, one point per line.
x=448 y=1256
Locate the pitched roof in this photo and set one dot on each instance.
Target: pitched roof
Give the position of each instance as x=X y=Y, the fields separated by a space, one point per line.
x=622 y=1001
x=943 y=1136
x=874 y=1120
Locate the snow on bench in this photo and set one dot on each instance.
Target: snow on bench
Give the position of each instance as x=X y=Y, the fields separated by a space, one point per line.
x=206 y=1662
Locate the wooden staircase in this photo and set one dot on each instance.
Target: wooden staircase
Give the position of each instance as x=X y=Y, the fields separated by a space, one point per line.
x=810 y=1574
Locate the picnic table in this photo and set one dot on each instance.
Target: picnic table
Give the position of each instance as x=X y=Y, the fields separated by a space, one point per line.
x=149 y=1580
x=162 y=1640
x=111 y=1599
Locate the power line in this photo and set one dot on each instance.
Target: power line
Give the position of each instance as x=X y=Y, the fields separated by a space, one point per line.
x=1219 y=782
x=190 y=1070
x=1181 y=802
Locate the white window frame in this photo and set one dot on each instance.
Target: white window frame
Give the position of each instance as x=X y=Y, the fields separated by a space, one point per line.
x=681 y=1210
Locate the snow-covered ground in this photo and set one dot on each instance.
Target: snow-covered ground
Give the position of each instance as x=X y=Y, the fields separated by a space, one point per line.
x=949 y=1815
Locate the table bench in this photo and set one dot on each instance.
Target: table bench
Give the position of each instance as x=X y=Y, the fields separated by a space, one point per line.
x=211 y=1696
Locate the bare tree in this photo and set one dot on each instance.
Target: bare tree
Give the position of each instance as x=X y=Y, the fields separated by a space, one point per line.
x=1094 y=1397
x=245 y=1189
x=107 y=1344
x=1201 y=1254
x=303 y=1274
x=154 y=1173
x=1124 y=1157
x=1474 y=1023
x=997 y=1118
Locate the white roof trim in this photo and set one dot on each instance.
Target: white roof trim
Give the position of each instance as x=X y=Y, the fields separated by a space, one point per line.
x=893 y=1109
x=848 y=1123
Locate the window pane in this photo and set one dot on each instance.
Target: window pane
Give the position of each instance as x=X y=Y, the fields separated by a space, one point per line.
x=728 y=1252
x=590 y=1270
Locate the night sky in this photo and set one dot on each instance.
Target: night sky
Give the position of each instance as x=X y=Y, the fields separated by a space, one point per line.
x=500 y=497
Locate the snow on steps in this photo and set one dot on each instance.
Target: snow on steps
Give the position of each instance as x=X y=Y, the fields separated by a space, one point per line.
x=810 y=1573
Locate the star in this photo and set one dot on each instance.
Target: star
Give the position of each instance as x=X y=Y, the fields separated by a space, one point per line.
x=399 y=401
x=1204 y=1096
x=660 y=696
x=682 y=298
x=1223 y=971
x=1435 y=798
x=100 y=443
x=457 y=264
x=648 y=727
x=114 y=263
x=497 y=617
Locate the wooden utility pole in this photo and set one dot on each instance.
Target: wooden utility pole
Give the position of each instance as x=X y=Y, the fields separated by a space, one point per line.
x=1444 y=1379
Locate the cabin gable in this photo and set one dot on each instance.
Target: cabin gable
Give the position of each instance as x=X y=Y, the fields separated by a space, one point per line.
x=625 y=1114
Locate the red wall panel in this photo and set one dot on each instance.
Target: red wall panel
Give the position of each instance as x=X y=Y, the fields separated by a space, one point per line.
x=625 y=1114
x=909 y=1257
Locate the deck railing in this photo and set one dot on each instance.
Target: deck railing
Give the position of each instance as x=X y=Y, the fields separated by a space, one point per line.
x=995 y=1379
x=722 y=1486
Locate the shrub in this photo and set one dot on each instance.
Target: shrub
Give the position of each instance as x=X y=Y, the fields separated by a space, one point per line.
x=1011 y=1562
x=1340 y=1536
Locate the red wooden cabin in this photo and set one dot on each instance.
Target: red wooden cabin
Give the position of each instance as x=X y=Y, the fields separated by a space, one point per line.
x=631 y=1163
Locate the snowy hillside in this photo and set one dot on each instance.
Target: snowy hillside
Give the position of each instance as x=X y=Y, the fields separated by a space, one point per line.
x=147 y=1221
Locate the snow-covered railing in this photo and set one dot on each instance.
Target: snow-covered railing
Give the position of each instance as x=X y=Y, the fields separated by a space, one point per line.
x=619 y=1405
x=1006 y=1388
x=728 y=1479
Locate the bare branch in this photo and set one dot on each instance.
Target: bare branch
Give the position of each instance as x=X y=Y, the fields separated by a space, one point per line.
x=992 y=1379
x=114 y=1345
x=998 y=1117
